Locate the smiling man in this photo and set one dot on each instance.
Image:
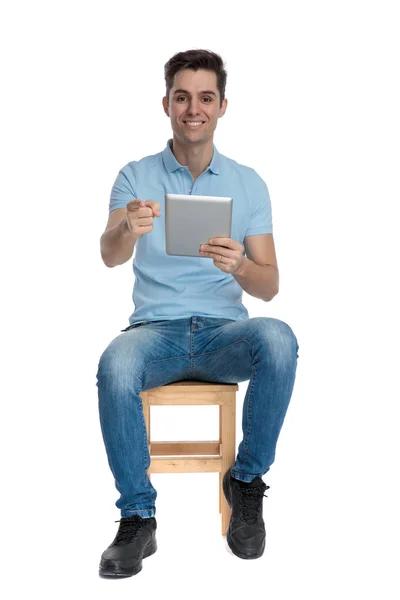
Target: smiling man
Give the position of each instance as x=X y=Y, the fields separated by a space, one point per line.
x=194 y=107
x=189 y=321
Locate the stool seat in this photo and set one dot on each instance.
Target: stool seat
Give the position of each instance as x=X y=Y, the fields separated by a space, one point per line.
x=210 y=456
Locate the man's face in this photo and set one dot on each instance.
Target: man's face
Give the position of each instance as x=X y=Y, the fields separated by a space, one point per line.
x=194 y=97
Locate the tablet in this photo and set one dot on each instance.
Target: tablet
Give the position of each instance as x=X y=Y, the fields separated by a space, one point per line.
x=192 y=220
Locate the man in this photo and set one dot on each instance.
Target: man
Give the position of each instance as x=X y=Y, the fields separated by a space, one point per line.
x=189 y=321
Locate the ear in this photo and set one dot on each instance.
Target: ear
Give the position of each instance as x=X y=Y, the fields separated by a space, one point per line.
x=223 y=107
x=165 y=105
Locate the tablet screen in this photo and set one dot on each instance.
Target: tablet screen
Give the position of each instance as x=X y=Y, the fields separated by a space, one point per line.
x=192 y=220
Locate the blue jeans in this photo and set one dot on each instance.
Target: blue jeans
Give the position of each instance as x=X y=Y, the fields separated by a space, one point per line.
x=155 y=353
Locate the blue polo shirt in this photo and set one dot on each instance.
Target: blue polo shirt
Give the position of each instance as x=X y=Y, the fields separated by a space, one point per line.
x=176 y=287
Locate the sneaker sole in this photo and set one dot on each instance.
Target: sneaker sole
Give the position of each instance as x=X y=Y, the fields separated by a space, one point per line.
x=125 y=568
x=225 y=487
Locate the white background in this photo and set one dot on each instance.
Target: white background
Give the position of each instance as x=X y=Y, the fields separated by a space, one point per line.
x=314 y=108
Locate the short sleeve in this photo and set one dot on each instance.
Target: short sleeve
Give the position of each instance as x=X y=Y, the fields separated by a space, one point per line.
x=123 y=189
x=261 y=216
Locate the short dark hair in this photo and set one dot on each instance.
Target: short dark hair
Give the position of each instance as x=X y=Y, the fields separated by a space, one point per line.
x=196 y=59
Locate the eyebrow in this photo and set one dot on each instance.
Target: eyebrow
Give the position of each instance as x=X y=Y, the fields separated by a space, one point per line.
x=203 y=92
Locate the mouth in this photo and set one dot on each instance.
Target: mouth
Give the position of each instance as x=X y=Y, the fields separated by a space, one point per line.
x=193 y=124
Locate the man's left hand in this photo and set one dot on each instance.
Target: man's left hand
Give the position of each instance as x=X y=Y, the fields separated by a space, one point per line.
x=227 y=253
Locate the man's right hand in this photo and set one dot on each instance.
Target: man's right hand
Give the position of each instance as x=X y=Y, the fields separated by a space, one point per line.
x=140 y=216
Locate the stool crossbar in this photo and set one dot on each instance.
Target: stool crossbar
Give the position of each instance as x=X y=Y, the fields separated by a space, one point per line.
x=215 y=456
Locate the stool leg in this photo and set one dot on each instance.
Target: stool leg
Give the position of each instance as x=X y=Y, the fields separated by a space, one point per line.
x=228 y=436
x=220 y=474
x=146 y=414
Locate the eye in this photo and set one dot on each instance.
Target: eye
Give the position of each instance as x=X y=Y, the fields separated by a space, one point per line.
x=205 y=98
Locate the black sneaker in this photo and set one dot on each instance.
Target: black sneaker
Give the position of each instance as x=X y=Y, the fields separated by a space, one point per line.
x=246 y=530
x=135 y=539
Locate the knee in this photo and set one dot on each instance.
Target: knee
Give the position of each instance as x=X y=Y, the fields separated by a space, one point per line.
x=117 y=368
x=278 y=334
x=287 y=334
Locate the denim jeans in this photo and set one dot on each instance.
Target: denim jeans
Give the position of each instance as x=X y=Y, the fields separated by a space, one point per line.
x=154 y=353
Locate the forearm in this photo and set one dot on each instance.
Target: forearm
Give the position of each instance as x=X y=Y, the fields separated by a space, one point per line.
x=117 y=244
x=258 y=281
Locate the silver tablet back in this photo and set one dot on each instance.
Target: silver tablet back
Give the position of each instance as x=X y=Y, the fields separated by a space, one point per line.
x=192 y=220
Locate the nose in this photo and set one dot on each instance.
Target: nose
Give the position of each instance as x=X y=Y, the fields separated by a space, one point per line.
x=194 y=107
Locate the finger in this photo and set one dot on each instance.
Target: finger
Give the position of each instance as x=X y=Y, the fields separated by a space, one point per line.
x=155 y=206
x=219 y=251
x=134 y=205
x=219 y=241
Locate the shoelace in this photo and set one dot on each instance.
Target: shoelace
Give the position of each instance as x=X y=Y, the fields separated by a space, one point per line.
x=250 y=502
x=128 y=528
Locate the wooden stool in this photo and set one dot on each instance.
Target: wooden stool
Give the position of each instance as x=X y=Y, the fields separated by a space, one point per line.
x=196 y=457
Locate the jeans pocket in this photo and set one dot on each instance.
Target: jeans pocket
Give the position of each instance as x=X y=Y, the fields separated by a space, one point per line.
x=134 y=325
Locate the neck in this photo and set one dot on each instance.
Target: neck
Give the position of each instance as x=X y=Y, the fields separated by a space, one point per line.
x=196 y=157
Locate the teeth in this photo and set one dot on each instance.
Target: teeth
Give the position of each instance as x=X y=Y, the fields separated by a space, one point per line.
x=193 y=123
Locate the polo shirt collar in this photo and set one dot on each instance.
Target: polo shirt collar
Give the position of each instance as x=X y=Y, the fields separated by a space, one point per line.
x=171 y=164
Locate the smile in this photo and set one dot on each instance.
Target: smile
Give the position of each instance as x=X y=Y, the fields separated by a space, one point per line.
x=193 y=124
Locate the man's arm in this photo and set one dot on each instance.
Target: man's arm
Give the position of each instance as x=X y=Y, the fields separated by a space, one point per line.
x=258 y=281
x=117 y=242
x=258 y=273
